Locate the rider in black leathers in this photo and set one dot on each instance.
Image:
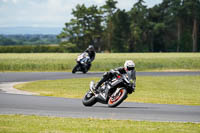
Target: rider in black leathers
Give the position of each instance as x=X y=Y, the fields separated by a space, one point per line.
x=129 y=68
x=91 y=52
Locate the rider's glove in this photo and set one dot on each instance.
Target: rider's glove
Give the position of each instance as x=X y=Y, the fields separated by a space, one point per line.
x=115 y=72
x=89 y=61
x=132 y=86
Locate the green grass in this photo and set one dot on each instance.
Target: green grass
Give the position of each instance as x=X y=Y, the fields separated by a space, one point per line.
x=38 y=124
x=103 y=62
x=183 y=90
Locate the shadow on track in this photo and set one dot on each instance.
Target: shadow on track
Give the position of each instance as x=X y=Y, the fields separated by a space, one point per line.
x=144 y=108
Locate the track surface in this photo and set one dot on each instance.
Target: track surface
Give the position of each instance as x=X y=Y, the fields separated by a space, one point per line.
x=32 y=76
x=51 y=106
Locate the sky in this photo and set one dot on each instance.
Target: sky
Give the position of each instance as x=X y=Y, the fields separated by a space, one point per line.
x=49 y=13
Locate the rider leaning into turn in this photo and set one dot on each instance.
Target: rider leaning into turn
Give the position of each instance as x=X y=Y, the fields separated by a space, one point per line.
x=129 y=69
x=91 y=52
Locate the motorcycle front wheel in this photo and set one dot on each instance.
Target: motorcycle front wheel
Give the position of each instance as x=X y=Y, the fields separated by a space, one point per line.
x=89 y=99
x=75 y=68
x=118 y=98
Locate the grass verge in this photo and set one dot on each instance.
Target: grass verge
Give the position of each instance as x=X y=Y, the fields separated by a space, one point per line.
x=183 y=90
x=103 y=62
x=36 y=124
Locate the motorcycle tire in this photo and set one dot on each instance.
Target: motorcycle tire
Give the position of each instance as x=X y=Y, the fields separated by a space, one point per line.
x=89 y=99
x=85 y=71
x=114 y=101
x=75 y=68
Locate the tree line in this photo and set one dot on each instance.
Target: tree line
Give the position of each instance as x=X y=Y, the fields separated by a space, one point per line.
x=34 y=49
x=171 y=26
x=28 y=39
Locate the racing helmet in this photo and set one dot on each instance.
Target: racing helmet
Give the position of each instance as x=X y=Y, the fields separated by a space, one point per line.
x=129 y=65
x=91 y=48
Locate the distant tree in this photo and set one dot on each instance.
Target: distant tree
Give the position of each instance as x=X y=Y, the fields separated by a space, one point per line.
x=138 y=15
x=85 y=28
x=120 y=31
x=109 y=9
x=153 y=18
x=193 y=11
x=177 y=12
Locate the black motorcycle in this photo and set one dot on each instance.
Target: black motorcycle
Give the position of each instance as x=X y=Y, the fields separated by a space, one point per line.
x=83 y=63
x=112 y=92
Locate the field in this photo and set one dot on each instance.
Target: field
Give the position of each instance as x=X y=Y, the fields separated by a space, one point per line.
x=182 y=90
x=36 y=124
x=103 y=62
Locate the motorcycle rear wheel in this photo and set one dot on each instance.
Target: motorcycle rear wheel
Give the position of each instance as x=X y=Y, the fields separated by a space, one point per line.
x=89 y=99
x=85 y=71
x=114 y=101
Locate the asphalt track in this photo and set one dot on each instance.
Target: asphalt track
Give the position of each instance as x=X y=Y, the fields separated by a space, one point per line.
x=65 y=107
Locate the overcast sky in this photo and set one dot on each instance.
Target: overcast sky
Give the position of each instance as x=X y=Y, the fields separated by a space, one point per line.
x=49 y=13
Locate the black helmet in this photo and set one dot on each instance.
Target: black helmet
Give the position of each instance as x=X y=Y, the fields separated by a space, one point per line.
x=91 y=48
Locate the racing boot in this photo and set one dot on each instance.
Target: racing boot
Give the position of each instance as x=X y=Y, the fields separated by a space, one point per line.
x=95 y=88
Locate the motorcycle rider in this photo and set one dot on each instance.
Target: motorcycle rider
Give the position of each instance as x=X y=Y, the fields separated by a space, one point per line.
x=91 y=52
x=129 y=69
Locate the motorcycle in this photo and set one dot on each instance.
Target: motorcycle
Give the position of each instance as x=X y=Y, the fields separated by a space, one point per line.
x=83 y=63
x=112 y=92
